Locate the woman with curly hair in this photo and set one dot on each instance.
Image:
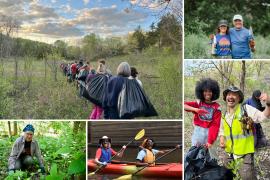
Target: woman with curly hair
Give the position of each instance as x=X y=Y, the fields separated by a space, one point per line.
x=207 y=114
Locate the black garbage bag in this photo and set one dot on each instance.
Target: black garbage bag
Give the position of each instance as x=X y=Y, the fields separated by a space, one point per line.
x=96 y=88
x=83 y=91
x=200 y=166
x=133 y=102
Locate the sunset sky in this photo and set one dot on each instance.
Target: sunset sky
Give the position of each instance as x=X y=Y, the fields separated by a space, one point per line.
x=49 y=20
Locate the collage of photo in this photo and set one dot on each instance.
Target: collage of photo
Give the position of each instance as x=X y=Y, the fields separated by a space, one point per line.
x=134 y=90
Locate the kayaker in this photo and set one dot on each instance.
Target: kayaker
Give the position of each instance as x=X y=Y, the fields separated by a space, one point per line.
x=236 y=132
x=207 y=113
x=23 y=150
x=105 y=152
x=148 y=154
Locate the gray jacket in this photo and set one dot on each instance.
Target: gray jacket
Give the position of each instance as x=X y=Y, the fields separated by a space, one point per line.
x=18 y=148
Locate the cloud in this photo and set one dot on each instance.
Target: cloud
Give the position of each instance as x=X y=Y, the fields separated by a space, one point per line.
x=109 y=19
x=86 y=2
x=53 y=29
x=65 y=21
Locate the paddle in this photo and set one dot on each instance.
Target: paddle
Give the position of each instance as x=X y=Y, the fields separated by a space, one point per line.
x=138 y=136
x=129 y=176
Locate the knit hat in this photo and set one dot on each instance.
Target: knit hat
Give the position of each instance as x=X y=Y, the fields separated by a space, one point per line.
x=29 y=128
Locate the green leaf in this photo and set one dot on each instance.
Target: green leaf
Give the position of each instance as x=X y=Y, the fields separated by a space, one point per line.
x=64 y=150
x=77 y=166
x=54 y=174
x=53 y=170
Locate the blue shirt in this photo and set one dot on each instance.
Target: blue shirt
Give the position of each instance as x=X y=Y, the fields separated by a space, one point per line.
x=223 y=45
x=142 y=154
x=240 y=43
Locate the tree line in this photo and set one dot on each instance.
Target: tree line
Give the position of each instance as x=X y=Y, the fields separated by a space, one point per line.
x=165 y=33
x=203 y=16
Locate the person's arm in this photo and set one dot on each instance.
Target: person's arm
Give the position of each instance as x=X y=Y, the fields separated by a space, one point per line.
x=221 y=135
x=98 y=155
x=140 y=157
x=158 y=152
x=39 y=157
x=256 y=115
x=12 y=157
x=193 y=107
x=214 y=44
x=266 y=98
x=214 y=128
x=251 y=41
x=120 y=154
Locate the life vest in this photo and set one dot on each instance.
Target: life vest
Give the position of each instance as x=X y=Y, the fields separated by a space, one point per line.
x=106 y=155
x=149 y=157
x=237 y=142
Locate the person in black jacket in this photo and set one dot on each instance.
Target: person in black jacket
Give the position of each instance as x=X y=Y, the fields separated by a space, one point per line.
x=114 y=87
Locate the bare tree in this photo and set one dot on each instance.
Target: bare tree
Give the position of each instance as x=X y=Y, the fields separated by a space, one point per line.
x=9 y=27
x=15 y=128
x=243 y=76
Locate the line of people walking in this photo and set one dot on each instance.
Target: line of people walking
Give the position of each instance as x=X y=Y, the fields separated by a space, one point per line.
x=103 y=89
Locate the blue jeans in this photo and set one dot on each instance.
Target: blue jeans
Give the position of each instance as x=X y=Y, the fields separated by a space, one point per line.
x=199 y=136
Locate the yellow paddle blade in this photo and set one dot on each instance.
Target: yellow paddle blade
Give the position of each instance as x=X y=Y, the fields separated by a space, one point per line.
x=125 y=177
x=91 y=174
x=140 y=134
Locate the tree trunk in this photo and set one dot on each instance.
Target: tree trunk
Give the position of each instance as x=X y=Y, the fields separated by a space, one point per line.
x=76 y=127
x=243 y=76
x=16 y=72
x=45 y=73
x=15 y=128
x=9 y=129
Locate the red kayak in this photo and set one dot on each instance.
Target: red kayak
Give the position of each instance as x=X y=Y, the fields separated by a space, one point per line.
x=169 y=170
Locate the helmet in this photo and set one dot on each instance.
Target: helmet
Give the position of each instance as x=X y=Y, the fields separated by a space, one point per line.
x=105 y=138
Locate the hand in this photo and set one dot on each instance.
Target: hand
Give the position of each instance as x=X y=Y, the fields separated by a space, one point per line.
x=104 y=163
x=252 y=45
x=208 y=145
x=177 y=146
x=222 y=142
x=201 y=111
x=124 y=147
x=263 y=97
x=42 y=170
x=11 y=172
x=211 y=36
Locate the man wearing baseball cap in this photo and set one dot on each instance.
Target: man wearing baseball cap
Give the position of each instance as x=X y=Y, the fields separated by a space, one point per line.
x=242 y=39
x=23 y=150
x=237 y=138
